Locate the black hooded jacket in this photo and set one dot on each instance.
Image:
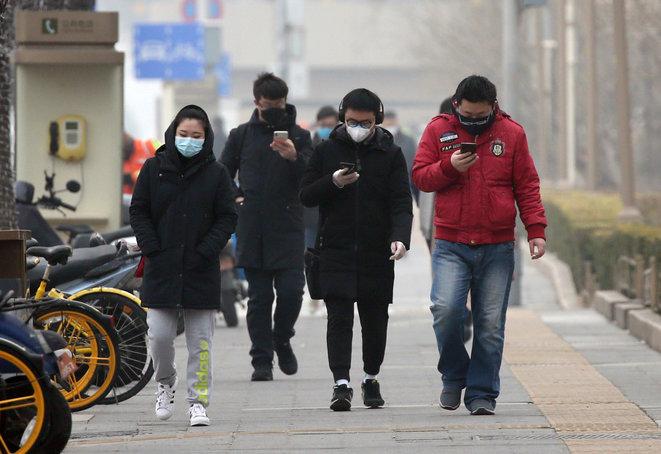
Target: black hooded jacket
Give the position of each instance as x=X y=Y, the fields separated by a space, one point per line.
x=183 y=214
x=360 y=221
x=270 y=232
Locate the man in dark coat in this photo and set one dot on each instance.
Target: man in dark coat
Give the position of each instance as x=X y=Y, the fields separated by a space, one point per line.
x=183 y=214
x=359 y=180
x=270 y=233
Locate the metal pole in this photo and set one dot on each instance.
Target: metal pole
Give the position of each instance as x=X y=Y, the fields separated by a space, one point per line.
x=627 y=185
x=591 y=133
x=542 y=126
x=282 y=39
x=508 y=98
x=570 y=17
x=561 y=143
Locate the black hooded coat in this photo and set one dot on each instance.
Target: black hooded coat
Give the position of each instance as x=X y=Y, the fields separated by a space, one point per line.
x=360 y=221
x=270 y=229
x=183 y=214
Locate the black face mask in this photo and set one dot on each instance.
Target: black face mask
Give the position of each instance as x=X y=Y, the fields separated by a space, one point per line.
x=275 y=116
x=476 y=126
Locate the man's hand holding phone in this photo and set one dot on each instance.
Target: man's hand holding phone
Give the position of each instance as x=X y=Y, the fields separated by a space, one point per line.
x=464 y=158
x=284 y=146
x=345 y=175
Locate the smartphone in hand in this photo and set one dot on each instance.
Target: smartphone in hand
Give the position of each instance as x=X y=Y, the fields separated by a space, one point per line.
x=468 y=148
x=280 y=135
x=349 y=167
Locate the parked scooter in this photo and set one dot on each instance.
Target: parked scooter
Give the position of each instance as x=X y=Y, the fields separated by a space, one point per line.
x=94 y=262
x=30 y=218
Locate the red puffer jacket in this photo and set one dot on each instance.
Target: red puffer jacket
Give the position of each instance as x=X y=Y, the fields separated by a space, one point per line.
x=477 y=207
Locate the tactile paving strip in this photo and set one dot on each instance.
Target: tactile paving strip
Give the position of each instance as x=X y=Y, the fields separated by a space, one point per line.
x=573 y=396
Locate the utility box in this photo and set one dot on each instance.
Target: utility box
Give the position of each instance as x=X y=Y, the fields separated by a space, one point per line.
x=12 y=261
x=69 y=110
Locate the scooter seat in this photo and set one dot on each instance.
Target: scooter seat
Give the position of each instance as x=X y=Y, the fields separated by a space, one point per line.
x=54 y=255
x=81 y=262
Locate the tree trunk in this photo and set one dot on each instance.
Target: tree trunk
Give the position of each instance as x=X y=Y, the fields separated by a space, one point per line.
x=7 y=203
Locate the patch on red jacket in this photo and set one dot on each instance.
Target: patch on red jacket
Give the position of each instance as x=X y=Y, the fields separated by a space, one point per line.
x=497 y=147
x=448 y=136
x=451 y=147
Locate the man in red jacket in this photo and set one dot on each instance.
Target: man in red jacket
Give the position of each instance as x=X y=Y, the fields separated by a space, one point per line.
x=477 y=161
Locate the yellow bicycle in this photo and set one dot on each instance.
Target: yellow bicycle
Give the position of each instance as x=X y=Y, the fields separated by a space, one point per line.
x=130 y=322
x=91 y=337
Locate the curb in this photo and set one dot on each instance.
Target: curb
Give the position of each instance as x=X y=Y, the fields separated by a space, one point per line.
x=642 y=322
x=646 y=325
x=562 y=280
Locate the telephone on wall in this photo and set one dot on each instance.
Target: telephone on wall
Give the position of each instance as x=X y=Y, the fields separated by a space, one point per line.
x=67 y=137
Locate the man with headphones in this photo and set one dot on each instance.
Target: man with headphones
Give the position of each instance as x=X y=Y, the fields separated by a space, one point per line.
x=476 y=160
x=359 y=180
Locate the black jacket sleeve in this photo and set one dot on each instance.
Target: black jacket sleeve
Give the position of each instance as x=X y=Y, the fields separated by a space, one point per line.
x=231 y=157
x=224 y=210
x=140 y=212
x=401 y=205
x=303 y=153
x=316 y=186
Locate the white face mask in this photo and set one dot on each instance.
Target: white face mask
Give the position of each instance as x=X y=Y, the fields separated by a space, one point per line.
x=358 y=134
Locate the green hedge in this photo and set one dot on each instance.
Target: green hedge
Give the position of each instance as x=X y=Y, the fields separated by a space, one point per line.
x=583 y=226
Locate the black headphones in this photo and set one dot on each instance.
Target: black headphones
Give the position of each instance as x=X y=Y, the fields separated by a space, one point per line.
x=379 y=114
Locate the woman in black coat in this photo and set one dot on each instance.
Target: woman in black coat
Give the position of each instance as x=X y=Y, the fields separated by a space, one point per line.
x=183 y=214
x=365 y=225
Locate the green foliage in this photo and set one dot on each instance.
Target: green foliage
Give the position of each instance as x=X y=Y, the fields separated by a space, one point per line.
x=583 y=226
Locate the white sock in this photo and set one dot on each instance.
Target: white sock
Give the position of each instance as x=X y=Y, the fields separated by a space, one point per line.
x=343 y=382
x=369 y=377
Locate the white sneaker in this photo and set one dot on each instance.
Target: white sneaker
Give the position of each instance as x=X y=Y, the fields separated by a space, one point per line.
x=165 y=401
x=198 y=415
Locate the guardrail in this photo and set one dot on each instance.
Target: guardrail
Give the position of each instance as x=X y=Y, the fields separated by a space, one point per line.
x=635 y=281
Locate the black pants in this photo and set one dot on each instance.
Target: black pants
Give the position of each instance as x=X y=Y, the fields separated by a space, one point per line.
x=339 y=335
x=264 y=329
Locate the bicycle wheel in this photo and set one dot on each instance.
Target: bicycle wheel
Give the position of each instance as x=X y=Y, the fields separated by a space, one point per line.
x=94 y=344
x=130 y=321
x=59 y=422
x=22 y=399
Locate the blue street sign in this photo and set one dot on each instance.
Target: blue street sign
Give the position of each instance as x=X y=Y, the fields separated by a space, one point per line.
x=223 y=73
x=169 y=51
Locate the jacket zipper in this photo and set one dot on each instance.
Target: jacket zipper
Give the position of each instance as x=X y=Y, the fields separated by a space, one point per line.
x=356 y=208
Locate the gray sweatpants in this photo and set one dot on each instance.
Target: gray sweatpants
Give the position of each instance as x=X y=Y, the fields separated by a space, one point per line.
x=199 y=326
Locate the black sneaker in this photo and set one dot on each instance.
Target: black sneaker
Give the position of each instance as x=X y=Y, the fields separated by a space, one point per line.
x=263 y=373
x=450 y=398
x=372 y=394
x=481 y=407
x=341 y=400
x=286 y=358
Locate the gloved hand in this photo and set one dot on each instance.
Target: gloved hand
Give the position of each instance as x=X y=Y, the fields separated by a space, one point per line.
x=398 y=250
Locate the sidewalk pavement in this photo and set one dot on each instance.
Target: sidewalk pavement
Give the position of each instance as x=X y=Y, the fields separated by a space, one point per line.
x=550 y=354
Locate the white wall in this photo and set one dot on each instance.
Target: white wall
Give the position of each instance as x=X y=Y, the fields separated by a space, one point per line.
x=44 y=93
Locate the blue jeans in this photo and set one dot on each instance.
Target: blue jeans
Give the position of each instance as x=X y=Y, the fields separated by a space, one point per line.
x=485 y=270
